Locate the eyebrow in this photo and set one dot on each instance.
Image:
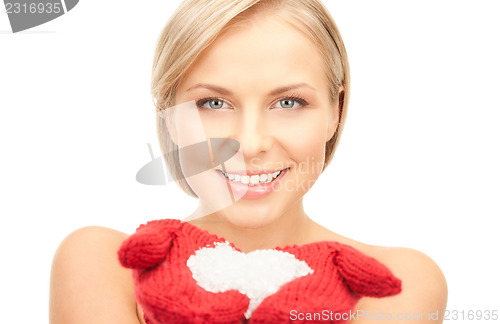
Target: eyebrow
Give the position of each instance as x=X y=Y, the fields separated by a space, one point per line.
x=289 y=88
x=274 y=92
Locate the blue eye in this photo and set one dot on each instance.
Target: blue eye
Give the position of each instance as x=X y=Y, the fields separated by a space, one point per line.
x=216 y=104
x=212 y=103
x=290 y=103
x=284 y=103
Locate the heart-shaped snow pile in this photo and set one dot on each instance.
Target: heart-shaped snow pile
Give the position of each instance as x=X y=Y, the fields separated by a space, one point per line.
x=257 y=274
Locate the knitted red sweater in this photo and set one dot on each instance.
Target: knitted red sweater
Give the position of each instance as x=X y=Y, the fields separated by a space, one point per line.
x=168 y=293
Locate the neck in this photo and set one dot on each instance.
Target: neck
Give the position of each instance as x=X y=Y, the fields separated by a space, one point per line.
x=292 y=227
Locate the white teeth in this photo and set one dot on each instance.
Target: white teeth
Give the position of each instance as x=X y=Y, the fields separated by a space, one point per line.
x=254 y=179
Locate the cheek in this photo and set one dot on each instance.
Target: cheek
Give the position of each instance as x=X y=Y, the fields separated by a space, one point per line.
x=301 y=135
x=305 y=145
x=308 y=153
x=185 y=124
x=305 y=135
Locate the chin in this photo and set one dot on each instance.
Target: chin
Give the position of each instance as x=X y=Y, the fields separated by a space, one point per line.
x=249 y=219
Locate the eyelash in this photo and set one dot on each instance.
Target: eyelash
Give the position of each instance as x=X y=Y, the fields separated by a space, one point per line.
x=301 y=101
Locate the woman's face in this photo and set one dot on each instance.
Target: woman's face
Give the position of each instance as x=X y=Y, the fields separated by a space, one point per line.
x=265 y=86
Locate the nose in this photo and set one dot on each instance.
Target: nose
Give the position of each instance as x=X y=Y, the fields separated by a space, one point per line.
x=254 y=132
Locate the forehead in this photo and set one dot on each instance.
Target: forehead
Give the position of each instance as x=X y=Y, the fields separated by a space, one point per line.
x=265 y=52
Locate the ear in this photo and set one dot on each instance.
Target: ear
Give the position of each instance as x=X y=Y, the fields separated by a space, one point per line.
x=334 y=120
x=167 y=117
x=149 y=245
x=172 y=130
x=365 y=275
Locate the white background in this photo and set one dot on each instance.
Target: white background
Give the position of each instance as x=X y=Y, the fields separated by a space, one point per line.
x=417 y=165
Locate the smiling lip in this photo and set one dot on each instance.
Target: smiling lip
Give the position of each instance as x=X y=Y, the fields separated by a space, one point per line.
x=250 y=173
x=252 y=192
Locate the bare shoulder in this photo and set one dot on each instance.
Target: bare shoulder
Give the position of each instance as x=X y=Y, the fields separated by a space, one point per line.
x=424 y=289
x=88 y=284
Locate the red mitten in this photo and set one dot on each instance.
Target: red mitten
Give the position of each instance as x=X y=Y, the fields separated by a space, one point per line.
x=164 y=285
x=342 y=275
x=148 y=246
x=168 y=293
x=364 y=275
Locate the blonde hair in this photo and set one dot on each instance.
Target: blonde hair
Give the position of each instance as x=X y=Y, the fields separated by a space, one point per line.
x=197 y=23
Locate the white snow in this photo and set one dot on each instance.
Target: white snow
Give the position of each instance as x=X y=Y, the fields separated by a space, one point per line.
x=257 y=274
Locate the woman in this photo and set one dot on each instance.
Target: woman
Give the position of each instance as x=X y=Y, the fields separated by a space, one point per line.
x=271 y=76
